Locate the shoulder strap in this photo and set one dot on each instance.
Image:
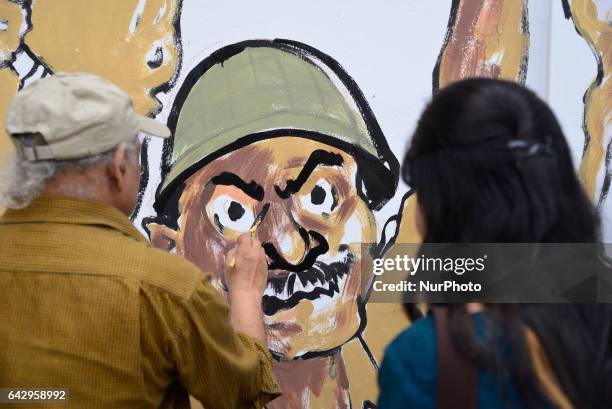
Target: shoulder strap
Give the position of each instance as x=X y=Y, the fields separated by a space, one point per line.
x=457 y=378
x=545 y=372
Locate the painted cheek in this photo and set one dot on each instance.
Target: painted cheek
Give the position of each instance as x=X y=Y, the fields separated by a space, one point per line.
x=200 y=244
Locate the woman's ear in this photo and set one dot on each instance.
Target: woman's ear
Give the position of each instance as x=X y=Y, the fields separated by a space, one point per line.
x=162 y=237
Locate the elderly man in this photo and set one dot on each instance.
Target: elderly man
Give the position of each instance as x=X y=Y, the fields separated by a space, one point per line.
x=89 y=308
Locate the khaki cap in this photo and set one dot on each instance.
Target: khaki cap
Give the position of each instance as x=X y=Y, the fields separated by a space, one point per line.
x=78 y=115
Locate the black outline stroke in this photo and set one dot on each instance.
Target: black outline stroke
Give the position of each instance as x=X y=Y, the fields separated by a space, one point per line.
x=251 y=189
x=317 y=158
x=164 y=87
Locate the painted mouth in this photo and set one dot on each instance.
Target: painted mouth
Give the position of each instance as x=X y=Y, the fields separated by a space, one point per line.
x=322 y=279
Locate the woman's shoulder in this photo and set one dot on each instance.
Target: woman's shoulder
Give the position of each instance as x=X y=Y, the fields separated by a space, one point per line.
x=408 y=374
x=415 y=347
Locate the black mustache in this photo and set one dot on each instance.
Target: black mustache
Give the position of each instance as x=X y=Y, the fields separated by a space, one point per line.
x=321 y=272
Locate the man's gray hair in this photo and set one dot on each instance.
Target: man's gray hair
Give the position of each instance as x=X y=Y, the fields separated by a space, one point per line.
x=22 y=181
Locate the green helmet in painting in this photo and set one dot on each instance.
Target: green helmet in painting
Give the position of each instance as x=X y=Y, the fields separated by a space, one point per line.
x=261 y=89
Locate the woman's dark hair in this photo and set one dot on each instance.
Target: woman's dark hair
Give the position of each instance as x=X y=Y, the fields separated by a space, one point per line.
x=490 y=164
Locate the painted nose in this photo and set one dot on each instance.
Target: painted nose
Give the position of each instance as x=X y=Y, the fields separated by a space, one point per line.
x=282 y=236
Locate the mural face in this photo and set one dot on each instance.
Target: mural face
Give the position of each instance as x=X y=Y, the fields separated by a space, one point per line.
x=311 y=233
x=295 y=145
x=141 y=49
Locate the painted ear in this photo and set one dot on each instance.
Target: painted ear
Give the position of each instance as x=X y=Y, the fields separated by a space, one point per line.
x=162 y=237
x=407 y=231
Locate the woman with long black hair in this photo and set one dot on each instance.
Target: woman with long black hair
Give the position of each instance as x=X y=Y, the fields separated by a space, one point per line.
x=490 y=164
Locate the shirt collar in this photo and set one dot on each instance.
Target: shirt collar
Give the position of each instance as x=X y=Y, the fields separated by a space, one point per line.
x=67 y=210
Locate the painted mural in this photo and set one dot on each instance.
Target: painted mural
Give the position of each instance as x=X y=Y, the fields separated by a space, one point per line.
x=279 y=130
x=593 y=21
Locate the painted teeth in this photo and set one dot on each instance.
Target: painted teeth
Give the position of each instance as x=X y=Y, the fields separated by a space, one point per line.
x=286 y=293
x=309 y=287
x=269 y=291
x=298 y=286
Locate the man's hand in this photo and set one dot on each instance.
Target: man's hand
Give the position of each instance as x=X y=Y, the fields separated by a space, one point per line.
x=246 y=275
x=246 y=267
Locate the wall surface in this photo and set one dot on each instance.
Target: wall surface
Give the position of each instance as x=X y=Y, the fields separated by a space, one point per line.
x=298 y=114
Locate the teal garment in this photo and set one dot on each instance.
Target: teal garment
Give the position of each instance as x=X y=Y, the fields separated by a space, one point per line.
x=408 y=375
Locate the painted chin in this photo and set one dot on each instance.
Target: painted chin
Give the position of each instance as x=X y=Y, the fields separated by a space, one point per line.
x=300 y=331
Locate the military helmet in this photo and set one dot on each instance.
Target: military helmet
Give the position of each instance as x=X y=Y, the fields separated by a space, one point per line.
x=261 y=89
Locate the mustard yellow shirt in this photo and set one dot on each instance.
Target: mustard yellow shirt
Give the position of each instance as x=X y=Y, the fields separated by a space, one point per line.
x=86 y=304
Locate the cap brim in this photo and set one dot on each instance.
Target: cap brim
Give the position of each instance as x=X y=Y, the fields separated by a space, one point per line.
x=153 y=127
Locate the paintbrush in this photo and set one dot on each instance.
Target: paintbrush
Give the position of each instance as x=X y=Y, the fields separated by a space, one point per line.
x=253 y=228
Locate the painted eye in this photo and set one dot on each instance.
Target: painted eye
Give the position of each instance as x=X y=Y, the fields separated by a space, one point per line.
x=321 y=200
x=231 y=213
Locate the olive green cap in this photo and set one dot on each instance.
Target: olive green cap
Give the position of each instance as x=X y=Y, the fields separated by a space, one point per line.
x=262 y=89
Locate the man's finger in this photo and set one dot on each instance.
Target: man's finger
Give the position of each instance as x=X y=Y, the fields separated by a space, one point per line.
x=244 y=240
x=262 y=254
x=256 y=244
x=230 y=257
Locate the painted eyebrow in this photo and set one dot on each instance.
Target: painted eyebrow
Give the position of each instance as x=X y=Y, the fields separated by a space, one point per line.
x=231 y=179
x=317 y=158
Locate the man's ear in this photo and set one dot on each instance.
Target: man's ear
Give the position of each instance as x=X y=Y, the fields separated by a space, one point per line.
x=162 y=237
x=118 y=168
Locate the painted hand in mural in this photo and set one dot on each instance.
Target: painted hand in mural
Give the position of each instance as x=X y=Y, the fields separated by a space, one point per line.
x=133 y=43
x=141 y=49
x=13 y=25
x=491 y=38
x=141 y=52
x=484 y=38
x=295 y=137
x=593 y=21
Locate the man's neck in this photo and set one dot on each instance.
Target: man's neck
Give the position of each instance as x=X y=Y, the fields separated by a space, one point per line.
x=78 y=186
x=312 y=383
